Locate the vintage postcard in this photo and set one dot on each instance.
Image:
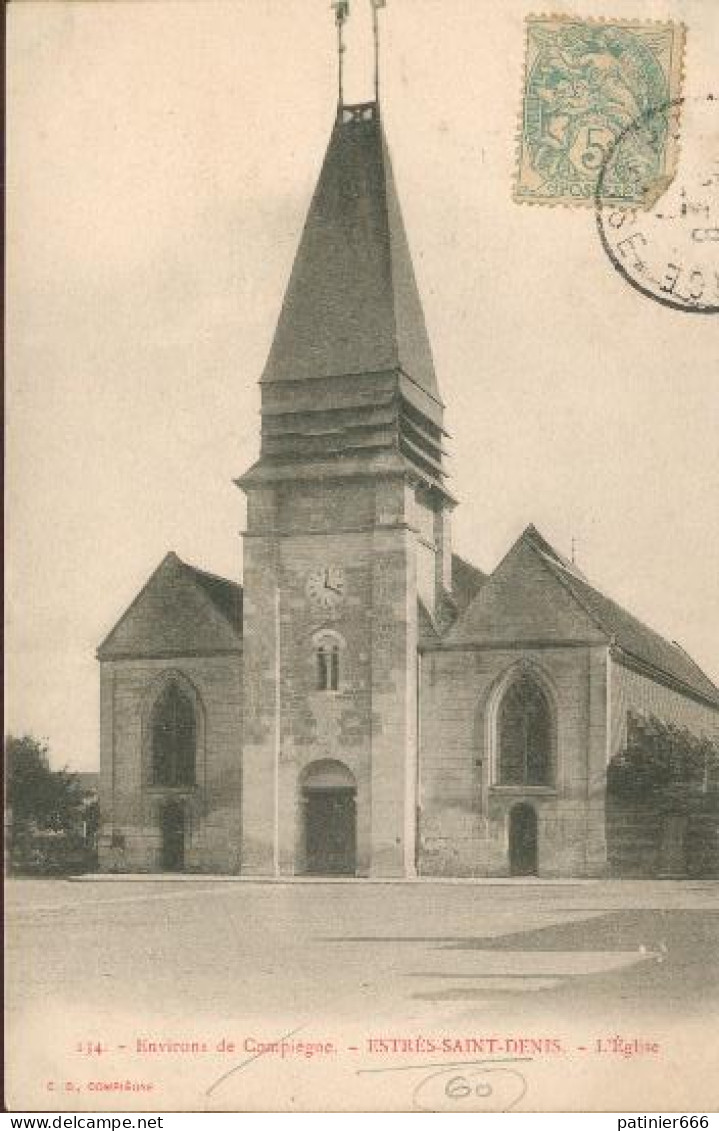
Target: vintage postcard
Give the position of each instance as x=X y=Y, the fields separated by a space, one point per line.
x=362 y=743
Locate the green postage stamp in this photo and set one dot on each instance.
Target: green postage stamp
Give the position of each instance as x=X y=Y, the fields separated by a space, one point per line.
x=588 y=83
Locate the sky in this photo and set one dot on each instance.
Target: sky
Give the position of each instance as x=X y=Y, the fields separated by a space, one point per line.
x=161 y=157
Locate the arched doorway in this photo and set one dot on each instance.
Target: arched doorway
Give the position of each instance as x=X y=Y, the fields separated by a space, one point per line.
x=172 y=829
x=523 y=841
x=330 y=819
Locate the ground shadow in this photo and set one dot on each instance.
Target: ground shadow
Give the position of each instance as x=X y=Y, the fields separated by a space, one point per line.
x=677 y=967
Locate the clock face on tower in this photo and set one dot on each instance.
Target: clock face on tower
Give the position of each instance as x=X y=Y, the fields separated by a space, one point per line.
x=326 y=587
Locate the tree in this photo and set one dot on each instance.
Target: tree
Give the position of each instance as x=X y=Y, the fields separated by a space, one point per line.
x=663 y=760
x=39 y=799
x=663 y=801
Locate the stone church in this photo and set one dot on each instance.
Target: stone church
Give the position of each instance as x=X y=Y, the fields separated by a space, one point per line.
x=367 y=703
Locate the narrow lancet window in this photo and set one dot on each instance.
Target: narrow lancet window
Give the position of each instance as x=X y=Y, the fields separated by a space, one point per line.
x=174 y=738
x=525 y=736
x=328 y=666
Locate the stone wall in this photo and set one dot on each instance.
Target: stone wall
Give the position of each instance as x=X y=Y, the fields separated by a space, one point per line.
x=368 y=724
x=465 y=813
x=130 y=837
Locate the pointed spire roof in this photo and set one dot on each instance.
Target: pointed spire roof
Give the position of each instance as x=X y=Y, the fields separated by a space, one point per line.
x=352 y=304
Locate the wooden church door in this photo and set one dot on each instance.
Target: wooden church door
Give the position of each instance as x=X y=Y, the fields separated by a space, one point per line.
x=523 y=841
x=172 y=826
x=330 y=816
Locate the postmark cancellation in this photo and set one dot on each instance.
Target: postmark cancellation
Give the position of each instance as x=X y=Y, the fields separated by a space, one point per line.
x=585 y=82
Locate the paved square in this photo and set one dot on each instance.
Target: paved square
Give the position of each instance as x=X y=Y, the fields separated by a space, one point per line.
x=139 y=983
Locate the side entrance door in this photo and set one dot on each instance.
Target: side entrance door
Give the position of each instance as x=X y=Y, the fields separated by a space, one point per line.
x=172 y=825
x=523 y=841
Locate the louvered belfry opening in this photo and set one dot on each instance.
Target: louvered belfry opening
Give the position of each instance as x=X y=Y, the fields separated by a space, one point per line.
x=420 y=441
x=348 y=420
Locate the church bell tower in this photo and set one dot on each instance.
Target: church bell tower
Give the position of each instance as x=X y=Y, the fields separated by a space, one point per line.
x=347 y=533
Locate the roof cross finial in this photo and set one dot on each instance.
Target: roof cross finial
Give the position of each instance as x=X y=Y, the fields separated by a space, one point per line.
x=376 y=5
x=342 y=11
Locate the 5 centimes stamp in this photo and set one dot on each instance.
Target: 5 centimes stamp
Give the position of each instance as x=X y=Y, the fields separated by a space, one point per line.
x=585 y=82
x=669 y=250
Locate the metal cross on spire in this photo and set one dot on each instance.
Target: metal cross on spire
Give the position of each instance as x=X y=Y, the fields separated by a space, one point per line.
x=342 y=11
x=376 y=5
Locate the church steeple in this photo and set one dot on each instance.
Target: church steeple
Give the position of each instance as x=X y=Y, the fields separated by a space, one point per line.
x=348 y=528
x=352 y=304
x=350 y=371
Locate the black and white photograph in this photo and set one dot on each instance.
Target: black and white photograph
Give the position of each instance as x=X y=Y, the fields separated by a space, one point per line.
x=362 y=556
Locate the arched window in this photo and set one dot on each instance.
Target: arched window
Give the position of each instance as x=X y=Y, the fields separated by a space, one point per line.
x=525 y=735
x=328 y=665
x=174 y=738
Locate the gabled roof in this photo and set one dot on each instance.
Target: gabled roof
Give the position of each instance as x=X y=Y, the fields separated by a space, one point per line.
x=517 y=580
x=225 y=595
x=352 y=304
x=522 y=602
x=467 y=581
x=427 y=632
x=634 y=637
x=180 y=611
